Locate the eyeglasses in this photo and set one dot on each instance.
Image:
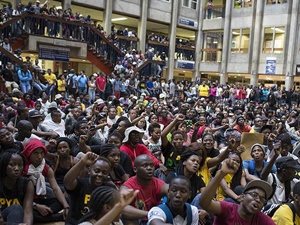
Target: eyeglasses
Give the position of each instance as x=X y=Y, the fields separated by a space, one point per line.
x=256 y=196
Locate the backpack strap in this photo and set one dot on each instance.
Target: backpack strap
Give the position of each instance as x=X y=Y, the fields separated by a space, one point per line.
x=189 y=214
x=274 y=185
x=168 y=213
x=292 y=207
x=251 y=167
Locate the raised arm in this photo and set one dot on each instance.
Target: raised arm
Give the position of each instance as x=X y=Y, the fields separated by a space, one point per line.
x=70 y=179
x=266 y=171
x=164 y=140
x=206 y=199
x=127 y=196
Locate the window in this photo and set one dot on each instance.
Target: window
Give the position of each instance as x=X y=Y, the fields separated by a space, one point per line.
x=273 y=40
x=240 y=40
x=190 y=3
x=242 y=3
x=275 y=2
x=212 y=47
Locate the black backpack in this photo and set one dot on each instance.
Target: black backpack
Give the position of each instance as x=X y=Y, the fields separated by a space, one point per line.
x=70 y=82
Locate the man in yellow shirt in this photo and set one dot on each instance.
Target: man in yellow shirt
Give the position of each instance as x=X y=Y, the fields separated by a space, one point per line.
x=284 y=215
x=203 y=90
x=50 y=77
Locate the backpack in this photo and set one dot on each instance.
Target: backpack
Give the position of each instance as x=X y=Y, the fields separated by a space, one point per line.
x=270 y=209
x=169 y=214
x=70 y=82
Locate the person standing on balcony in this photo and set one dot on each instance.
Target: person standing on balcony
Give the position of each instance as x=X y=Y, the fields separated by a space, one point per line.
x=209 y=8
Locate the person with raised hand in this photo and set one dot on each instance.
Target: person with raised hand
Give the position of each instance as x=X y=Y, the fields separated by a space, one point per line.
x=106 y=205
x=254 y=196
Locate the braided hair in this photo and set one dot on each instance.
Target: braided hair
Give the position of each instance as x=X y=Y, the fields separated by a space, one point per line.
x=196 y=181
x=100 y=196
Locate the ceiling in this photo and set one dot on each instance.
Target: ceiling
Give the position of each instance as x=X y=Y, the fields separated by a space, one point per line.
x=130 y=22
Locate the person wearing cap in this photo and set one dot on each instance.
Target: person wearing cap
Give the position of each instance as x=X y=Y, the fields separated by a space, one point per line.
x=284 y=215
x=282 y=179
x=55 y=124
x=132 y=147
x=254 y=196
x=254 y=167
x=36 y=118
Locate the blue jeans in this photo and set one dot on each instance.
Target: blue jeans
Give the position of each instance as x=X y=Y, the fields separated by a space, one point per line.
x=25 y=87
x=92 y=95
x=13 y=214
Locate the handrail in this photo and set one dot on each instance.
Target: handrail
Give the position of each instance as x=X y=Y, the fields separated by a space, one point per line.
x=61 y=20
x=215 y=7
x=11 y=56
x=12 y=20
x=147 y=62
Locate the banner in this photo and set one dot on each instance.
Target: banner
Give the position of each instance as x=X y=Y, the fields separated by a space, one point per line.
x=271 y=65
x=54 y=53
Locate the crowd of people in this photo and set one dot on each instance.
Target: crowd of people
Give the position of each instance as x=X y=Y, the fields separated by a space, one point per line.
x=87 y=149
x=122 y=148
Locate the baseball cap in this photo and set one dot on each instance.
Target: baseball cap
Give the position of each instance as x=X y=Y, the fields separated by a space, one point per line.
x=58 y=96
x=34 y=113
x=16 y=90
x=287 y=162
x=52 y=105
x=265 y=186
x=129 y=130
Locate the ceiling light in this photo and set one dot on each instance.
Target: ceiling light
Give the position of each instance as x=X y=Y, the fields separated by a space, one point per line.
x=118 y=19
x=215 y=42
x=235 y=33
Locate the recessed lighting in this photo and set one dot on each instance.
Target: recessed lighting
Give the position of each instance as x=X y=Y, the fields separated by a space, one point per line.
x=83 y=60
x=119 y=19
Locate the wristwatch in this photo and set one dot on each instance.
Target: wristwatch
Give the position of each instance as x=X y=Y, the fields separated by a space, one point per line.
x=34 y=205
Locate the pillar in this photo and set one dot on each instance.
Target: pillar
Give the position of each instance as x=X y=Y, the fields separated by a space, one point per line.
x=108 y=16
x=257 y=24
x=66 y=4
x=226 y=44
x=172 y=39
x=199 y=39
x=142 y=26
x=292 y=51
x=219 y=53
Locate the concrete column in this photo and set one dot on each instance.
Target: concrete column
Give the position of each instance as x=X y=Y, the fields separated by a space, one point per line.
x=172 y=39
x=199 y=39
x=142 y=26
x=292 y=51
x=257 y=24
x=15 y=3
x=108 y=16
x=219 y=53
x=66 y=4
x=226 y=40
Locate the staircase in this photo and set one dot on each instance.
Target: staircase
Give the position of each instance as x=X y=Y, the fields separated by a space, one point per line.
x=145 y=69
x=100 y=50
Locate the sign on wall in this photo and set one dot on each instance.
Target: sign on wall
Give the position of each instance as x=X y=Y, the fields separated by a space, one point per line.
x=271 y=65
x=188 y=22
x=54 y=53
x=184 y=64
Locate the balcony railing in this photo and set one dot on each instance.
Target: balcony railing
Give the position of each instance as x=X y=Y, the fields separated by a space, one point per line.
x=51 y=26
x=212 y=55
x=214 y=12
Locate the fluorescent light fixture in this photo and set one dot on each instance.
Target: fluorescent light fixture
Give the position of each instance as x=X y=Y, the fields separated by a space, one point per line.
x=215 y=42
x=277 y=29
x=235 y=33
x=192 y=36
x=118 y=19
